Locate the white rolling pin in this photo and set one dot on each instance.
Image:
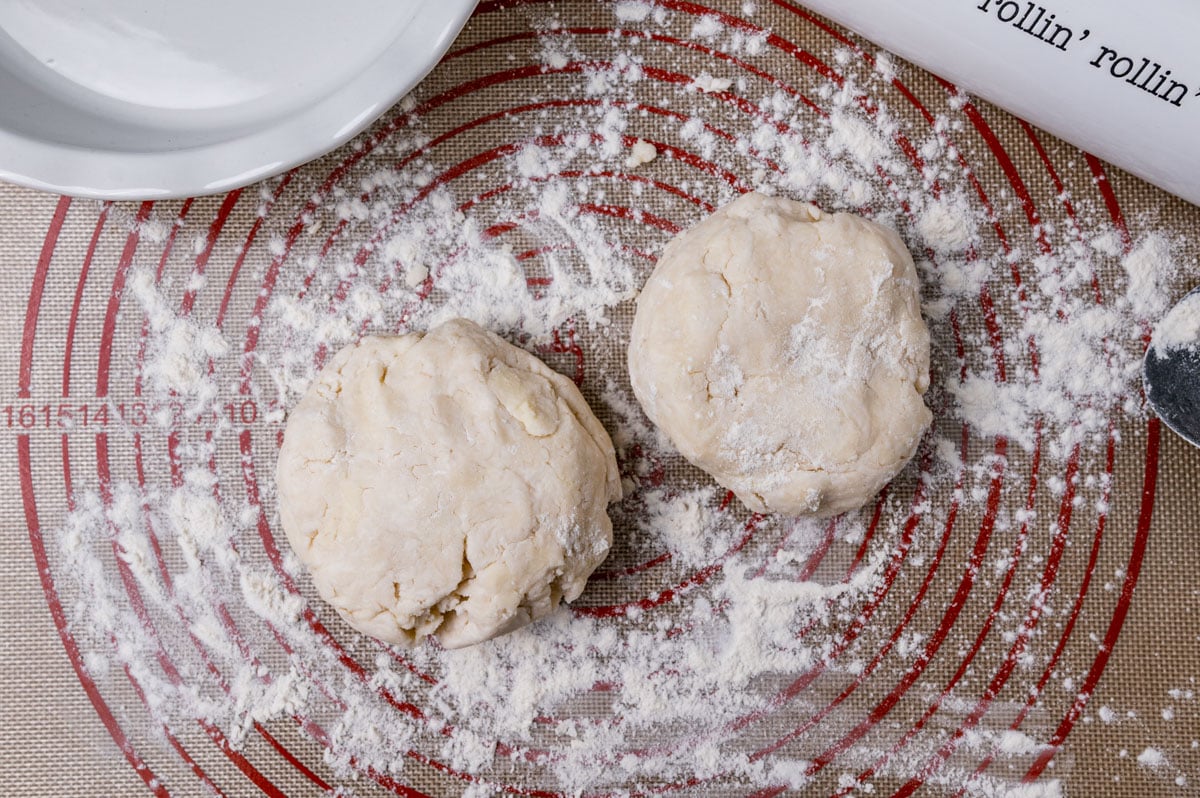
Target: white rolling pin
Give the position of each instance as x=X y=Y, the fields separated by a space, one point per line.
x=1120 y=80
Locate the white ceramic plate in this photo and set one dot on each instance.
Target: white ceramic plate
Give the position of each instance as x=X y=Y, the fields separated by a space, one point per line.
x=125 y=99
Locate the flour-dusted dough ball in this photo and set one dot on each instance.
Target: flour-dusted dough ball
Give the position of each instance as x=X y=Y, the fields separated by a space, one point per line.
x=782 y=350
x=447 y=484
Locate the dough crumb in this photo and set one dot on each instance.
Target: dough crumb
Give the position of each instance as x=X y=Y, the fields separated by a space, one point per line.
x=417 y=274
x=640 y=153
x=707 y=83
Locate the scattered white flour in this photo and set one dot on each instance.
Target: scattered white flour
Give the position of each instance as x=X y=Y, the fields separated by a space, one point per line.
x=1151 y=758
x=707 y=28
x=670 y=519
x=1149 y=267
x=707 y=616
x=948 y=225
x=1014 y=742
x=885 y=65
x=1180 y=328
x=1050 y=788
x=180 y=348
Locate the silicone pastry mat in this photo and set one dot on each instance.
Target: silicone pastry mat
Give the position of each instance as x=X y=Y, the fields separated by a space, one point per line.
x=1083 y=634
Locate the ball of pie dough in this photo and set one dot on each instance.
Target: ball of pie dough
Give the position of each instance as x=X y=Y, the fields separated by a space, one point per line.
x=782 y=350
x=445 y=484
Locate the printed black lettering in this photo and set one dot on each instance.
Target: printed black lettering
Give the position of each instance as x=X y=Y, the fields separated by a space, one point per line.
x=1149 y=75
x=1121 y=67
x=1161 y=81
x=1062 y=37
x=1029 y=7
x=1142 y=72
x=1104 y=51
x=1031 y=19
x=1040 y=24
x=1007 y=11
x=1133 y=80
x=1177 y=99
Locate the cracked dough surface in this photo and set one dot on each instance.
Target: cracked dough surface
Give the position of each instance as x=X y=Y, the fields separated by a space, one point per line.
x=782 y=350
x=445 y=483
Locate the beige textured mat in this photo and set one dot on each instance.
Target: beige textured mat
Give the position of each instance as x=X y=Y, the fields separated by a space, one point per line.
x=1038 y=616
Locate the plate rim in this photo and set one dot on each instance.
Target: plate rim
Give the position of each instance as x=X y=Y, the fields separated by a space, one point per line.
x=286 y=141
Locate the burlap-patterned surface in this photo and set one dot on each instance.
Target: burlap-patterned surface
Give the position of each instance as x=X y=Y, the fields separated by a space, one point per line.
x=1131 y=647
